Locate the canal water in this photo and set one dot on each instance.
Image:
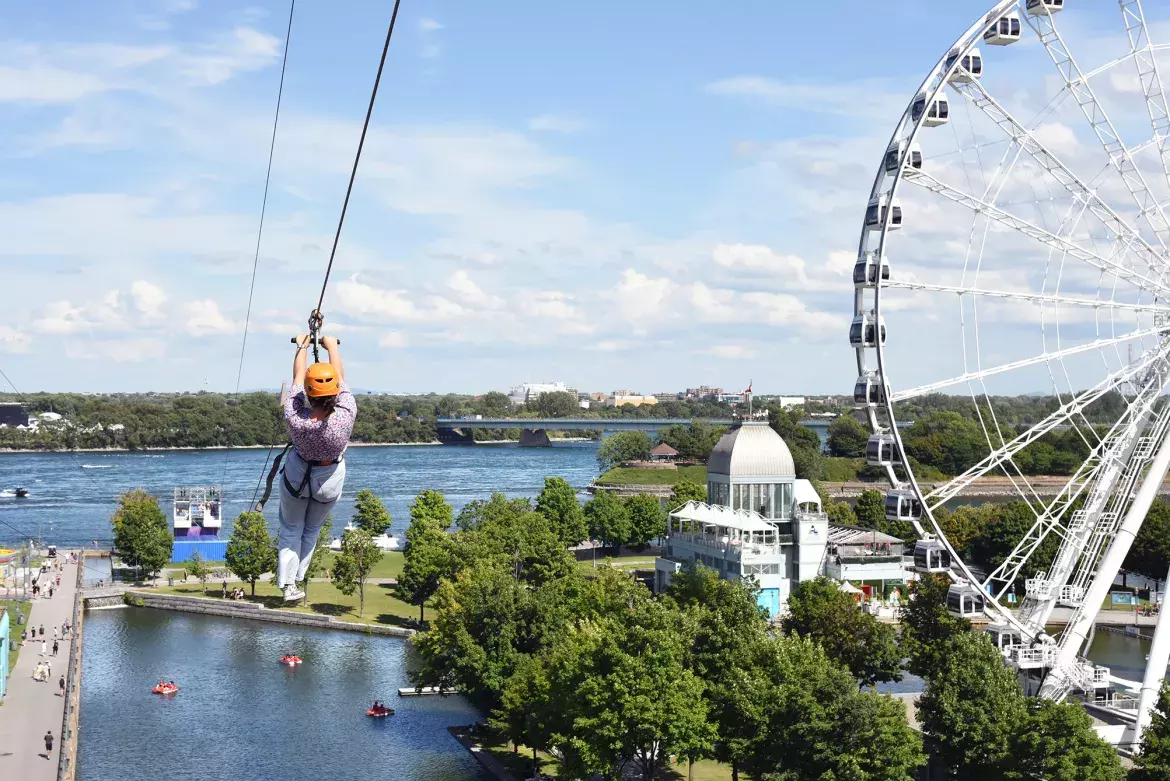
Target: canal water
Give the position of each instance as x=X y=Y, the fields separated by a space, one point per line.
x=71 y=497
x=240 y=714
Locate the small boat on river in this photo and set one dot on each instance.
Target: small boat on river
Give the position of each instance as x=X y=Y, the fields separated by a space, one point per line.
x=165 y=688
x=20 y=492
x=379 y=711
x=291 y=660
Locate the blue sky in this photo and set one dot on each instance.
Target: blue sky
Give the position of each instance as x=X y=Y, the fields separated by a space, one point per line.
x=648 y=195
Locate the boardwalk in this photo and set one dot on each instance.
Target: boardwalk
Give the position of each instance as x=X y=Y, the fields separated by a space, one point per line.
x=30 y=708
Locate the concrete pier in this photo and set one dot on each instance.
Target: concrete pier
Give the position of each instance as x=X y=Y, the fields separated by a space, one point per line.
x=32 y=708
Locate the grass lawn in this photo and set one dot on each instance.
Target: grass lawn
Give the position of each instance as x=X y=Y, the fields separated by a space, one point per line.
x=622 y=563
x=15 y=608
x=382 y=607
x=519 y=764
x=841 y=470
x=389 y=567
x=634 y=476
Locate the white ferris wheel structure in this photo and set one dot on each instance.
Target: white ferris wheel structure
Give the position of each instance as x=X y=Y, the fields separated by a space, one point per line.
x=1017 y=242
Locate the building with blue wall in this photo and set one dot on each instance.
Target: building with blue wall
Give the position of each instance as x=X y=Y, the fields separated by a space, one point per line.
x=5 y=645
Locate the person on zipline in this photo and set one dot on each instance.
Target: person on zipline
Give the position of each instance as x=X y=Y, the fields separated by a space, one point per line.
x=320 y=411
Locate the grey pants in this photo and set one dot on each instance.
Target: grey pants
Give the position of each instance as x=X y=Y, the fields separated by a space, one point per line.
x=301 y=518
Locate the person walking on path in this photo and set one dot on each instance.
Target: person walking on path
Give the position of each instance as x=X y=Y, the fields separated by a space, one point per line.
x=49 y=745
x=54 y=633
x=42 y=630
x=54 y=648
x=61 y=685
x=44 y=648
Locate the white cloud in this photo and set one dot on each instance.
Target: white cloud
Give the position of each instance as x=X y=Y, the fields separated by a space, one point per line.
x=244 y=49
x=470 y=293
x=46 y=84
x=872 y=98
x=429 y=25
x=148 y=298
x=640 y=297
x=120 y=351
x=393 y=340
x=205 y=319
x=14 y=341
x=728 y=351
x=552 y=123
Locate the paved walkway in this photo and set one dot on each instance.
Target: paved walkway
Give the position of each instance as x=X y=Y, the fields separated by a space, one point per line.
x=31 y=708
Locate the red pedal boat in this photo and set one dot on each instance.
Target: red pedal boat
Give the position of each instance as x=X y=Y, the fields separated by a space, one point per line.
x=290 y=659
x=379 y=711
x=165 y=688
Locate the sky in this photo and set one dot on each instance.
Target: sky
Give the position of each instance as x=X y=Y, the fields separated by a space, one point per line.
x=641 y=195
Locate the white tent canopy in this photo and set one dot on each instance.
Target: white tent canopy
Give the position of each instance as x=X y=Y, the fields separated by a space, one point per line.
x=743 y=520
x=849 y=588
x=806 y=494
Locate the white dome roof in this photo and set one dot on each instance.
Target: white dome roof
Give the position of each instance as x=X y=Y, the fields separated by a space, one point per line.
x=751 y=449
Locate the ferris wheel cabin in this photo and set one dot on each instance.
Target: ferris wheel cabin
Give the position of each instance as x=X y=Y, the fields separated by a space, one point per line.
x=881 y=208
x=867 y=268
x=869 y=390
x=933 y=115
x=864 y=331
x=895 y=154
x=1005 y=31
x=1044 y=7
x=931 y=556
x=903 y=506
x=970 y=66
x=1004 y=636
x=882 y=450
x=965 y=601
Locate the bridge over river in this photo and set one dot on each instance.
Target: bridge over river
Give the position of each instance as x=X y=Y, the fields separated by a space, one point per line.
x=534 y=431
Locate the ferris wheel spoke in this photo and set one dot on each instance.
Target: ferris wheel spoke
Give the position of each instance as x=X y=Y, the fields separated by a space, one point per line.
x=1149 y=76
x=1056 y=355
x=996 y=214
x=1115 y=149
x=1039 y=298
x=976 y=93
x=1066 y=412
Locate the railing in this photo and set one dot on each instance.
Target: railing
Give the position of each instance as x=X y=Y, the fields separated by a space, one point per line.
x=743 y=549
x=890 y=559
x=67 y=759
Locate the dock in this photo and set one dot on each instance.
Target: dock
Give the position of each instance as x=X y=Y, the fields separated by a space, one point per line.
x=424 y=691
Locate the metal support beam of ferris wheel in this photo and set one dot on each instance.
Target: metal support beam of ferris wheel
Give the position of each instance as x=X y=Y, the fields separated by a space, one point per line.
x=1060 y=680
x=1152 y=681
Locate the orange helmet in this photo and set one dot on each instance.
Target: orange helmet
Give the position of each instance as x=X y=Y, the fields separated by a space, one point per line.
x=321 y=380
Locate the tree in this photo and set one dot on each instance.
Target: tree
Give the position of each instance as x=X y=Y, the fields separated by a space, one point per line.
x=927 y=626
x=608 y=520
x=819 y=610
x=317 y=560
x=356 y=559
x=647 y=520
x=557 y=404
x=526 y=545
x=847 y=437
x=558 y=503
x=427 y=552
x=370 y=514
x=479 y=511
x=840 y=513
x=1149 y=555
x=870 y=509
x=141 y=533
x=198 y=569
x=971 y=709
x=1153 y=763
x=495 y=405
x=1058 y=741
x=815 y=724
x=430 y=505
x=623 y=446
x=251 y=551
x=685 y=491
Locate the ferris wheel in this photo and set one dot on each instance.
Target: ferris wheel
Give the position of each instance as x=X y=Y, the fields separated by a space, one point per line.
x=1016 y=242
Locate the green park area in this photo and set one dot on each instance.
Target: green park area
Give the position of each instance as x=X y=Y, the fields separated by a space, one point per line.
x=624 y=475
x=390 y=566
x=18 y=612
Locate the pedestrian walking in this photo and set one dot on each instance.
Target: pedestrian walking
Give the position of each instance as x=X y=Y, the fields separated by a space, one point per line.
x=42 y=630
x=49 y=744
x=54 y=633
x=61 y=685
x=54 y=647
x=58 y=581
x=44 y=648
x=50 y=592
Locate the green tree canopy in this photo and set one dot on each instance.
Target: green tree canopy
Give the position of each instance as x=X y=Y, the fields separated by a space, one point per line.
x=695 y=441
x=847 y=437
x=431 y=506
x=647 y=519
x=481 y=511
x=370 y=514
x=356 y=559
x=141 y=534
x=685 y=491
x=608 y=520
x=623 y=446
x=494 y=404
x=1149 y=555
x=927 y=627
x=870 y=509
x=1058 y=741
x=199 y=569
x=819 y=610
x=558 y=404
x=427 y=555
x=1153 y=761
x=558 y=503
x=525 y=545
x=251 y=550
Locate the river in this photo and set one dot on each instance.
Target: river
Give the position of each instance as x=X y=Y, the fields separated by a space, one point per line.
x=71 y=497
x=240 y=714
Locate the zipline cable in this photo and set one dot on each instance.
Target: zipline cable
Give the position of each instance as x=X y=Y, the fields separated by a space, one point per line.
x=357 y=158
x=260 y=232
